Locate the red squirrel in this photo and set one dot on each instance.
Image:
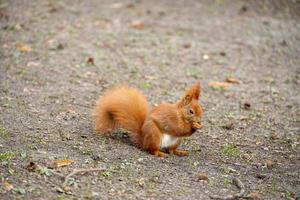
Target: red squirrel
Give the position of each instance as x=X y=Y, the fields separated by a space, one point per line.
x=159 y=130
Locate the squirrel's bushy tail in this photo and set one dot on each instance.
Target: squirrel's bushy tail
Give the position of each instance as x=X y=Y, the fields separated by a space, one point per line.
x=122 y=107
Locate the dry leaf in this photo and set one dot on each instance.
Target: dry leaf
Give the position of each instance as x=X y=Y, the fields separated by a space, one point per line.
x=23 y=48
x=8 y=186
x=142 y=182
x=269 y=164
x=219 y=85
x=232 y=80
x=32 y=64
x=103 y=23
x=203 y=177
x=130 y=5
x=228 y=126
x=18 y=27
x=31 y=166
x=139 y=13
x=90 y=61
x=27 y=91
x=66 y=188
x=253 y=196
x=187 y=45
x=275 y=136
x=117 y=5
x=62 y=163
x=137 y=24
x=258 y=142
x=222 y=53
x=135 y=10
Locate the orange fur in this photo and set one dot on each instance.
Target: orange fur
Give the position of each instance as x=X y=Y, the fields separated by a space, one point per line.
x=125 y=107
x=122 y=107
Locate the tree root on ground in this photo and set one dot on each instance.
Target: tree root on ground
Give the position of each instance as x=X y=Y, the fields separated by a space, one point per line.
x=75 y=171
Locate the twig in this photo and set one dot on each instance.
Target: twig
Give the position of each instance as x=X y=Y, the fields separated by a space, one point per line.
x=33 y=167
x=77 y=171
x=239 y=185
x=57 y=173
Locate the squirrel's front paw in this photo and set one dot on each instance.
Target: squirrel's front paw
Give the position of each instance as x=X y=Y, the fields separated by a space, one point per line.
x=197 y=125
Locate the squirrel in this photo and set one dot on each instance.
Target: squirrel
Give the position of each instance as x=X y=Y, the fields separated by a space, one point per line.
x=159 y=130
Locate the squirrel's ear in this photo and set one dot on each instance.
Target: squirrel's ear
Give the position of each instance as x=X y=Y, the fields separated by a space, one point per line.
x=186 y=99
x=194 y=91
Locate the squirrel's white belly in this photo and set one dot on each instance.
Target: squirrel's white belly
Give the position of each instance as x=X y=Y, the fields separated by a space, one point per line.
x=168 y=141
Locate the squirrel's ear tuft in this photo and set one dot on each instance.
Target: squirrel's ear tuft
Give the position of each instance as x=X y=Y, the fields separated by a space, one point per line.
x=194 y=91
x=186 y=99
x=191 y=93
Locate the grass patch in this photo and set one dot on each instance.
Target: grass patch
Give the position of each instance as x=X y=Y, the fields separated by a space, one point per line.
x=221 y=62
x=88 y=152
x=18 y=190
x=6 y=156
x=44 y=171
x=227 y=181
x=4 y=133
x=288 y=195
x=257 y=113
x=230 y=150
x=192 y=72
x=22 y=72
x=65 y=197
x=146 y=85
x=274 y=185
x=105 y=174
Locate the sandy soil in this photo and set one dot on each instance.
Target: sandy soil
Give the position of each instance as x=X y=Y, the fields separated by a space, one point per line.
x=47 y=91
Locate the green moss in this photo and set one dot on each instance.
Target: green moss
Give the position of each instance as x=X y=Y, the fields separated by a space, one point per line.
x=4 y=133
x=193 y=72
x=227 y=181
x=6 y=156
x=44 y=171
x=288 y=195
x=146 y=85
x=18 y=190
x=230 y=150
x=87 y=152
x=105 y=174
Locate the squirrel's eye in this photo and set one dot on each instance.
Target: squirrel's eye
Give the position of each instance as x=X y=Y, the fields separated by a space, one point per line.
x=191 y=111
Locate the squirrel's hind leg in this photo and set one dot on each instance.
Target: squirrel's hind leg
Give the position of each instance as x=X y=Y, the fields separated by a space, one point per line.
x=159 y=153
x=151 y=139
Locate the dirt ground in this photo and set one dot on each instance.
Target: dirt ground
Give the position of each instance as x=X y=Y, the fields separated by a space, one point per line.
x=57 y=57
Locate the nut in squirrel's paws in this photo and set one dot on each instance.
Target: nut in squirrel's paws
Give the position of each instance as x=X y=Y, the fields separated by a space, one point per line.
x=197 y=125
